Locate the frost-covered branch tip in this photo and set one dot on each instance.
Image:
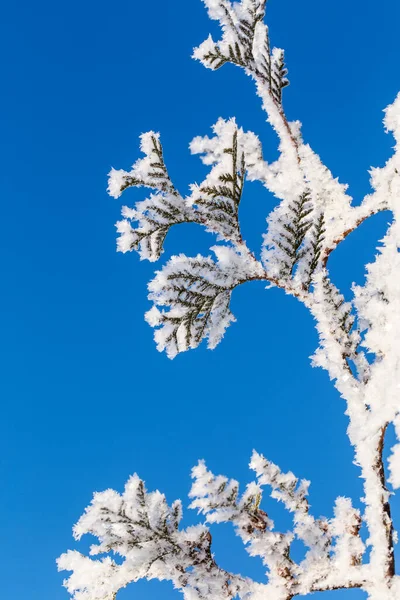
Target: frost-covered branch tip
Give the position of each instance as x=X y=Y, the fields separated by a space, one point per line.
x=156 y=214
x=245 y=43
x=143 y=530
x=146 y=533
x=197 y=293
x=214 y=203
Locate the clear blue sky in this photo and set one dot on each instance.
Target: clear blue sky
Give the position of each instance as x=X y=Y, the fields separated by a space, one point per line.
x=86 y=398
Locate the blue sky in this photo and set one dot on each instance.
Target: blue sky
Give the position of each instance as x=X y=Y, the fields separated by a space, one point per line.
x=86 y=398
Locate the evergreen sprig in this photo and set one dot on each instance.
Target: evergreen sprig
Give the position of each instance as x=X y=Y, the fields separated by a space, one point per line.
x=277 y=74
x=141 y=524
x=218 y=204
x=156 y=175
x=293 y=230
x=217 y=59
x=240 y=34
x=246 y=27
x=197 y=293
x=217 y=497
x=156 y=214
x=316 y=245
x=342 y=319
x=220 y=501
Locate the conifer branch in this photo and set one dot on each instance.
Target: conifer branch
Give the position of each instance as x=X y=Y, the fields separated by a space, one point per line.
x=245 y=43
x=342 y=317
x=197 y=293
x=150 y=172
x=315 y=252
x=191 y=299
x=156 y=214
x=217 y=199
x=213 y=204
x=244 y=22
x=145 y=532
x=292 y=230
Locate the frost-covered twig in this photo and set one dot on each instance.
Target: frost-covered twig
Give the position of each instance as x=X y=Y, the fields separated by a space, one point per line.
x=214 y=203
x=141 y=528
x=159 y=212
x=246 y=43
x=197 y=292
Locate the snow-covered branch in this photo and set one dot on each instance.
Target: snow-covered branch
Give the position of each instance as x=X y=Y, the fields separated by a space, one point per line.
x=218 y=499
x=246 y=43
x=359 y=347
x=214 y=203
x=197 y=293
x=231 y=152
x=156 y=214
x=144 y=531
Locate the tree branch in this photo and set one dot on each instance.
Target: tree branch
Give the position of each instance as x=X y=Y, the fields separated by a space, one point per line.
x=386 y=510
